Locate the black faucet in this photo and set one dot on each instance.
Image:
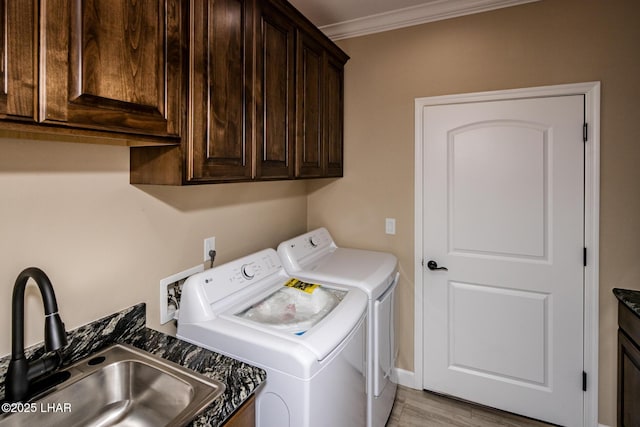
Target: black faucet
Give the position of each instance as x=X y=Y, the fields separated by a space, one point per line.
x=20 y=371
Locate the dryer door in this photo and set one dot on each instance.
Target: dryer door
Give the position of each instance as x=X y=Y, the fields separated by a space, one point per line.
x=384 y=346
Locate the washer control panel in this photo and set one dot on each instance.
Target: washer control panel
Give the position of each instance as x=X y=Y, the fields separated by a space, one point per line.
x=220 y=282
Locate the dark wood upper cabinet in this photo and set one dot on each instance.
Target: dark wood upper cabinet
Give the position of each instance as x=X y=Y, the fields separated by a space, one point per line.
x=334 y=118
x=203 y=90
x=220 y=132
x=18 y=47
x=274 y=93
x=310 y=149
x=265 y=99
x=114 y=65
x=320 y=77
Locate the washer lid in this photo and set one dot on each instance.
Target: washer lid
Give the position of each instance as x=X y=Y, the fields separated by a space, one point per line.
x=294 y=308
x=324 y=331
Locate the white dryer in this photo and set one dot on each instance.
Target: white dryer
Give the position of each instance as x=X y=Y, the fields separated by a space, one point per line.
x=315 y=257
x=310 y=340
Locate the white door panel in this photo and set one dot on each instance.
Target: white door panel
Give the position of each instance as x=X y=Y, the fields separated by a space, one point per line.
x=498 y=202
x=503 y=211
x=481 y=329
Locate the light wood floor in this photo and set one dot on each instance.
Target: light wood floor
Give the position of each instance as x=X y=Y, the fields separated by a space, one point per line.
x=415 y=408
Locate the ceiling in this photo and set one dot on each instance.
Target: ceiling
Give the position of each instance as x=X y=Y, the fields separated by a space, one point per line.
x=341 y=19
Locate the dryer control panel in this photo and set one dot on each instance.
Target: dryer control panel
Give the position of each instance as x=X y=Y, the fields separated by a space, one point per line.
x=299 y=250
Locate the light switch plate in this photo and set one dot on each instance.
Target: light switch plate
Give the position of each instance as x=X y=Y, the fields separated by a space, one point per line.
x=390 y=225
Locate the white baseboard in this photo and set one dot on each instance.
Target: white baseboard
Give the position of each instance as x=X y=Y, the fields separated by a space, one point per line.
x=406 y=378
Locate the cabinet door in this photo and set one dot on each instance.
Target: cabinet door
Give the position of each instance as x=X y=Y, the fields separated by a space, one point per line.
x=628 y=382
x=309 y=102
x=275 y=94
x=219 y=112
x=114 y=65
x=17 y=59
x=334 y=110
x=245 y=416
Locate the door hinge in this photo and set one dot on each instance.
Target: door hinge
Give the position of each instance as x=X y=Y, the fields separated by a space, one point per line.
x=585 y=132
x=584 y=381
x=584 y=257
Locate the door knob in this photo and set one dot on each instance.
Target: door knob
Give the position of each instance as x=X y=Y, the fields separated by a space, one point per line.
x=432 y=265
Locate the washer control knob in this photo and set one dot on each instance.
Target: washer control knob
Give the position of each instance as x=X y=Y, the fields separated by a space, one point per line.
x=248 y=271
x=312 y=241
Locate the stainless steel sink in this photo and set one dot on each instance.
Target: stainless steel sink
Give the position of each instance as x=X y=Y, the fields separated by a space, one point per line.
x=121 y=386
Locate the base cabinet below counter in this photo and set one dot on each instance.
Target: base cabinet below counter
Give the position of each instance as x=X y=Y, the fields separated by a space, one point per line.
x=628 y=367
x=245 y=416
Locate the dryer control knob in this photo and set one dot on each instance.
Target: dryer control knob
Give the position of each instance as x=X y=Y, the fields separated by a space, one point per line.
x=248 y=271
x=312 y=241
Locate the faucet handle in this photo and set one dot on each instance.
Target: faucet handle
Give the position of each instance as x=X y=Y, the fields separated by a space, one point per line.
x=54 y=332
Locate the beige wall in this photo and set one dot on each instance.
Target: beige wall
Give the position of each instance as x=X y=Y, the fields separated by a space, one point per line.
x=543 y=43
x=69 y=209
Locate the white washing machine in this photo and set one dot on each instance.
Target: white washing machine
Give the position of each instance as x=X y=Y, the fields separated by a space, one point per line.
x=309 y=339
x=315 y=257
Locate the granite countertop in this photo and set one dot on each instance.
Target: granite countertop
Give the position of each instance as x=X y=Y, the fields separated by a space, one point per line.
x=128 y=327
x=629 y=298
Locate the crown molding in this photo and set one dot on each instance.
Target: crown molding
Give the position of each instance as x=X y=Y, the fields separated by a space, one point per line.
x=415 y=15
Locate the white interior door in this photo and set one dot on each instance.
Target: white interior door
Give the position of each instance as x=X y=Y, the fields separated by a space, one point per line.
x=504 y=213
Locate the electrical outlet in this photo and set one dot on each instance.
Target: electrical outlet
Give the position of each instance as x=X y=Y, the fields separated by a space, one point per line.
x=209 y=245
x=170 y=289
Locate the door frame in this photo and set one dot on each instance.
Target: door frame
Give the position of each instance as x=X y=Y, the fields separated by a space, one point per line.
x=591 y=91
